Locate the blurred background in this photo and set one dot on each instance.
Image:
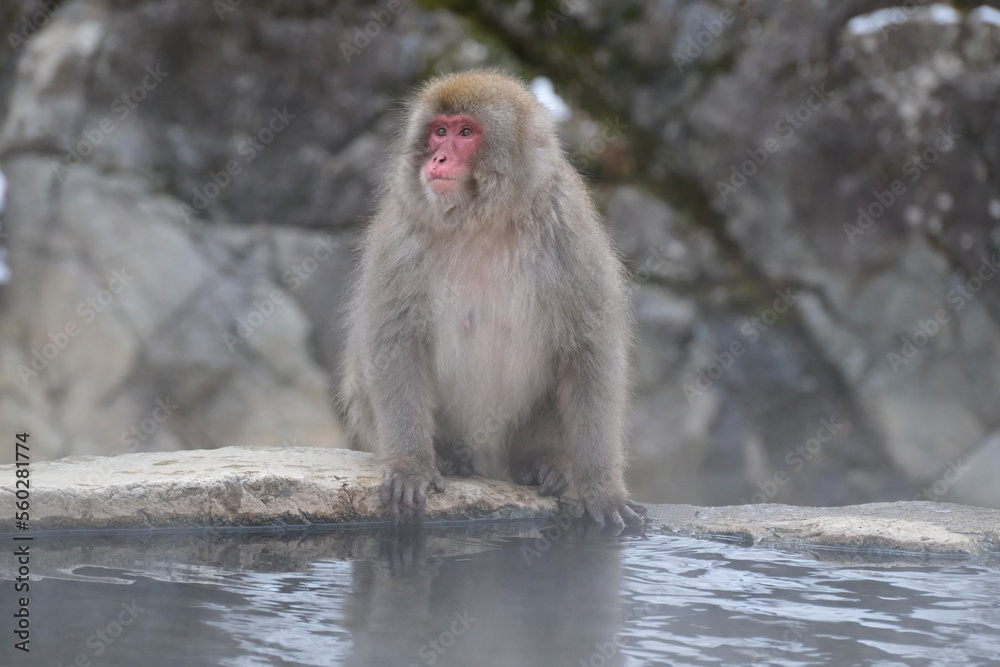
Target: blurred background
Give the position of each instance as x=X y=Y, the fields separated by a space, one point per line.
x=807 y=196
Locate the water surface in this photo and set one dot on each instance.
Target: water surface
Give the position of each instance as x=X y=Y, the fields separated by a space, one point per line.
x=474 y=596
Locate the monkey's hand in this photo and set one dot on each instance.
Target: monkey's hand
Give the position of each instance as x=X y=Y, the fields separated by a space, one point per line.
x=404 y=490
x=615 y=513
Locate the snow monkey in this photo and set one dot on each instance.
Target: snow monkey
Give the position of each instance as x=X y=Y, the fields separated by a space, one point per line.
x=490 y=324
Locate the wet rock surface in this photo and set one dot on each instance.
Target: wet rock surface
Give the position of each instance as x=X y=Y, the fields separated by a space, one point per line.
x=243 y=487
x=897 y=529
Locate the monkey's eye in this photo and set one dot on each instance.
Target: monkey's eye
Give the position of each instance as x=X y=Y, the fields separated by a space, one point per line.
x=466 y=132
x=440 y=131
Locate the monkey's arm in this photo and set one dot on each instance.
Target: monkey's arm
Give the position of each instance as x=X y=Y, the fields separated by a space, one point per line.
x=404 y=428
x=592 y=380
x=396 y=369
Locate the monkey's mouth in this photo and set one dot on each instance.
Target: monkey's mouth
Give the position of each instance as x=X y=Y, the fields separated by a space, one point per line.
x=440 y=185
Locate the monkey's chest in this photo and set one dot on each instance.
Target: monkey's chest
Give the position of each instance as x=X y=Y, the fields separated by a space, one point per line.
x=491 y=352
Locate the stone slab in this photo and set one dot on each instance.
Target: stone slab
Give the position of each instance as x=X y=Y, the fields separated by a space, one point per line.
x=238 y=486
x=260 y=487
x=915 y=528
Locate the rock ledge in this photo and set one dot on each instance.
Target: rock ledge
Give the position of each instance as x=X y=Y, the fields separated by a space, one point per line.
x=240 y=486
x=246 y=487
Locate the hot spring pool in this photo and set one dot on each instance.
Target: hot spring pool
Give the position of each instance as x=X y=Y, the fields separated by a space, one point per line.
x=482 y=596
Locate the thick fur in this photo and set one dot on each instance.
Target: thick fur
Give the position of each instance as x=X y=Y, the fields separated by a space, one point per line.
x=489 y=328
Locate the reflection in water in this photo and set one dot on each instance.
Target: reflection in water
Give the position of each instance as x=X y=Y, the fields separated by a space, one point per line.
x=511 y=602
x=474 y=596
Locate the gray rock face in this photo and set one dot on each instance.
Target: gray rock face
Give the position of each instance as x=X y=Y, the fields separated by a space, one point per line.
x=142 y=331
x=805 y=194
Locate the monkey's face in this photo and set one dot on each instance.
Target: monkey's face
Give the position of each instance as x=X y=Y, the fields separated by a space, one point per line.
x=452 y=141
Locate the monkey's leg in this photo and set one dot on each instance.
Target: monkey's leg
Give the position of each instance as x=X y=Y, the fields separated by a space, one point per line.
x=591 y=400
x=538 y=454
x=360 y=418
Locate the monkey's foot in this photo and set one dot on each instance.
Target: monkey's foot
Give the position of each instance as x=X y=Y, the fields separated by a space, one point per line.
x=615 y=514
x=451 y=467
x=548 y=476
x=404 y=492
x=453 y=458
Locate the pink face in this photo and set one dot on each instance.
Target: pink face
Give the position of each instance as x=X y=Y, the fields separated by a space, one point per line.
x=451 y=141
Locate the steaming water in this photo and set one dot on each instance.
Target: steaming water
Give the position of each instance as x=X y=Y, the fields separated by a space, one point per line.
x=472 y=597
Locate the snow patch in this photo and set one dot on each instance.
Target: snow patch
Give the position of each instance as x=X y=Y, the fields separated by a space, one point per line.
x=542 y=89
